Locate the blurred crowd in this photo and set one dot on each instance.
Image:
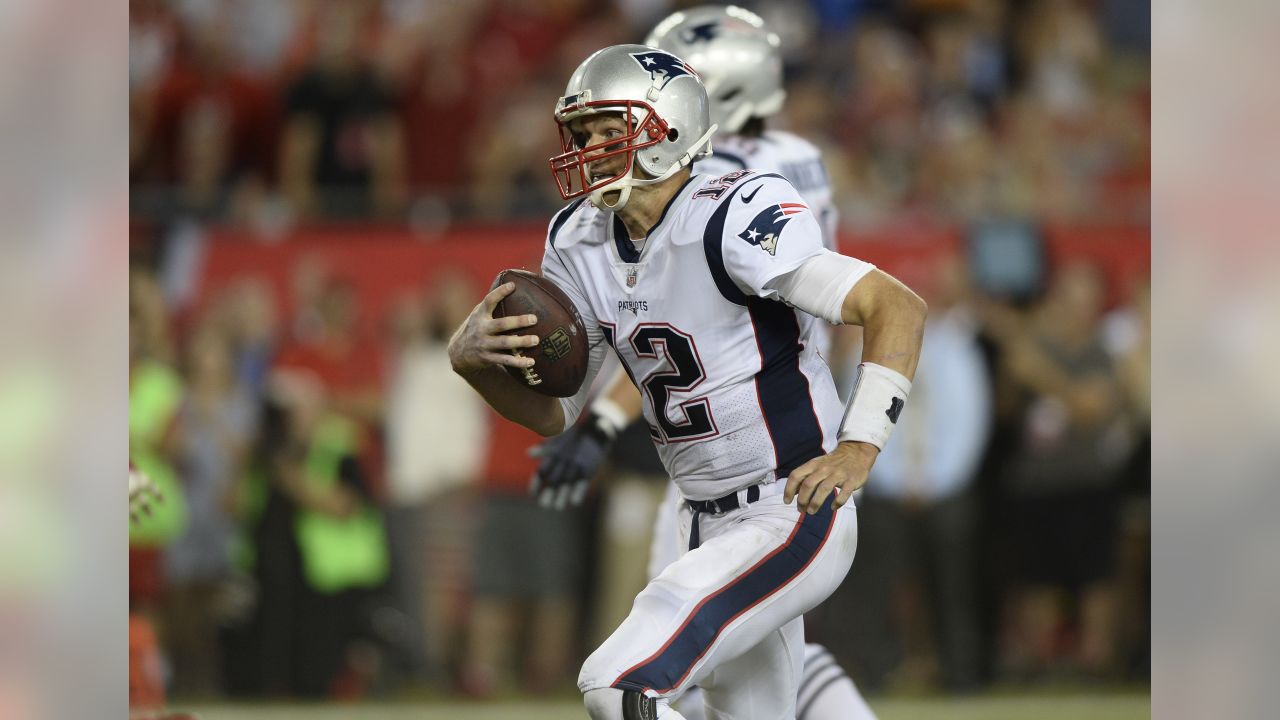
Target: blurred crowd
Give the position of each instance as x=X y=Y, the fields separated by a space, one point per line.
x=273 y=113
x=336 y=522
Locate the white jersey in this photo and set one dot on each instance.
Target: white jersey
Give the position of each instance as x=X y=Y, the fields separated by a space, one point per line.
x=795 y=159
x=735 y=392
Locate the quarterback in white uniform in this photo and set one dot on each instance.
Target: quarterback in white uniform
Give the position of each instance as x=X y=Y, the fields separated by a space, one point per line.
x=739 y=61
x=734 y=421
x=708 y=288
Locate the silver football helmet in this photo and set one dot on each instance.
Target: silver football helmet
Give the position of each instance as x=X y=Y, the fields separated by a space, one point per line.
x=664 y=105
x=738 y=57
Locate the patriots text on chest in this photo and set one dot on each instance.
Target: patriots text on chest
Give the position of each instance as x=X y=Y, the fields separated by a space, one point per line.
x=634 y=307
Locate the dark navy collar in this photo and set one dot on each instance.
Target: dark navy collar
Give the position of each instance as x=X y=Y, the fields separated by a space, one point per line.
x=622 y=239
x=626 y=249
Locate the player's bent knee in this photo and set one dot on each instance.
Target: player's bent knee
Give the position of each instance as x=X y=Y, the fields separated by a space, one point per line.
x=615 y=704
x=603 y=703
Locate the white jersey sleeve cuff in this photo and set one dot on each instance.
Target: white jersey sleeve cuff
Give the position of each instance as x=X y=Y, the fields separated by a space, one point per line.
x=819 y=285
x=574 y=404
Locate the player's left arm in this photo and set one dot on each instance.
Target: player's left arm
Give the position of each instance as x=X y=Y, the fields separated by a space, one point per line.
x=892 y=319
x=772 y=248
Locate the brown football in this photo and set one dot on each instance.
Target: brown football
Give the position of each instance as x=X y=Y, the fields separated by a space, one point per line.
x=560 y=359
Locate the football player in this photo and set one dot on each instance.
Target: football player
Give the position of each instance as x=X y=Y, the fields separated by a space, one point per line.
x=740 y=64
x=709 y=290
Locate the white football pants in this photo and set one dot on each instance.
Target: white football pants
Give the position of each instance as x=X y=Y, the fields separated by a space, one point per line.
x=726 y=616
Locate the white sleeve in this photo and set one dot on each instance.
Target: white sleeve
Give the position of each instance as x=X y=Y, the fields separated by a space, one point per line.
x=555 y=269
x=768 y=232
x=820 y=284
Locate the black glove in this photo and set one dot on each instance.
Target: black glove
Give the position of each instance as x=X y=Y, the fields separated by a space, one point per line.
x=570 y=460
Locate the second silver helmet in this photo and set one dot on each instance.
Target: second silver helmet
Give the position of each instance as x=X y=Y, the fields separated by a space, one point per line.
x=738 y=58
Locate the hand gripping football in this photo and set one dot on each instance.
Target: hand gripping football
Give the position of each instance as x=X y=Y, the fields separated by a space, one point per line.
x=560 y=359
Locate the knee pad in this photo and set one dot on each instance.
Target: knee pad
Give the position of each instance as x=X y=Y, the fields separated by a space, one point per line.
x=616 y=704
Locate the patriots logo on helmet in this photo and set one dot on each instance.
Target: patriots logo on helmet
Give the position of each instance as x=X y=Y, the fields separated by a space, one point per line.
x=663 y=66
x=766 y=226
x=705 y=32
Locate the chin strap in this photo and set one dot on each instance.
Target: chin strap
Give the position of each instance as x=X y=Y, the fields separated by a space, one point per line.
x=622 y=184
x=628 y=181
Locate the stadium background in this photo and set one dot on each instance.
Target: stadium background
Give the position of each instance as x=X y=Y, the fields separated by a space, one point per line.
x=318 y=187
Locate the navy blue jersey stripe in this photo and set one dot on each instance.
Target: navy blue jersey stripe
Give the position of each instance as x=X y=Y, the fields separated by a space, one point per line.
x=556 y=223
x=669 y=666
x=784 y=390
x=712 y=239
x=560 y=219
x=712 y=248
x=626 y=249
x=609 y=331
x=785 y=400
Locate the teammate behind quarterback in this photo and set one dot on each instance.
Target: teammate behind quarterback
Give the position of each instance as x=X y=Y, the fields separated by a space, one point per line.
x=723 y=280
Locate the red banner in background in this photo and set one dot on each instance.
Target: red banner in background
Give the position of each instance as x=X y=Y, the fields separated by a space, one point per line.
x=382 y=264
x=386 y=264
x=908 y=252
x=1122 y=251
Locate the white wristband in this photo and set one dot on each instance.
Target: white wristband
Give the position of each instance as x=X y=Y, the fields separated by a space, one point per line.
x=879 y=394
x=613 y=419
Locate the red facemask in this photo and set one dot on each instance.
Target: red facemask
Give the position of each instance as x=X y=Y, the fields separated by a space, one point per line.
x=569 y=168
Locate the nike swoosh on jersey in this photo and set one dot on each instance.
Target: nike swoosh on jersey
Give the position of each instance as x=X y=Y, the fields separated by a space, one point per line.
x=746 y=197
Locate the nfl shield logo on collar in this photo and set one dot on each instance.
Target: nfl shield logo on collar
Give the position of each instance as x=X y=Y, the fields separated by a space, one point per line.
x=632 y=271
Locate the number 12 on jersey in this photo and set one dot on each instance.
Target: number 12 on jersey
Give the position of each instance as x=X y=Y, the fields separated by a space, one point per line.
x=682 y=374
